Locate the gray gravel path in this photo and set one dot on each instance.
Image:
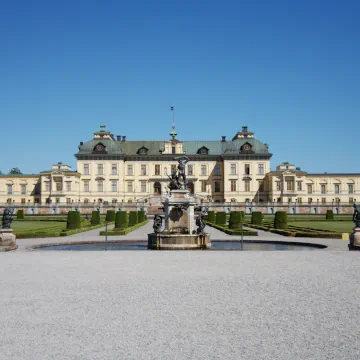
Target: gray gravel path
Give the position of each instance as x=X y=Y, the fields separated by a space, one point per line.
x=180 y=305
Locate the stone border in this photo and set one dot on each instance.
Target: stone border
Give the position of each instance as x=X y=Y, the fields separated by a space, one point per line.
x=8 y=248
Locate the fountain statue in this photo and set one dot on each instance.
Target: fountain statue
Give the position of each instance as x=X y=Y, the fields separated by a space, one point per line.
x=355 y=235
x=180 y=231
x=7 y=238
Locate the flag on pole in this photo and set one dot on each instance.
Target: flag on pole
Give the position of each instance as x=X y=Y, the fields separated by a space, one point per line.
x=171 y=108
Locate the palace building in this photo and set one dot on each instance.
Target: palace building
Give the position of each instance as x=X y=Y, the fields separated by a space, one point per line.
x=112 y=169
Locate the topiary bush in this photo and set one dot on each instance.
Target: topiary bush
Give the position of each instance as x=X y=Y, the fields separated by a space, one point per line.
x=221 y=218
x=211 y=217
x=95 y=218
x=280 y=221
x=256 y=218
x=133 y=218
x=110 y=215
x=329 y=215
x=73 y=220
x=121 y=220
x=141 y=216
x=236 y=219
x=20 y=214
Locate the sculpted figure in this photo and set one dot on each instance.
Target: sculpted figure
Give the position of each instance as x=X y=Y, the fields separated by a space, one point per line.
x=181 y=169
x=157 y=224
x=356 y=216
x=174 y=183
x=200 y=224
x=7 y=218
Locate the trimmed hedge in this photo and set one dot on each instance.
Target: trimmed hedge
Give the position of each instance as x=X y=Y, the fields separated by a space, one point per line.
x=141 y=216
x=121 y=220
x=20 y=214
x=125 y=231
x=256 y=218
x=133 y=218
x=236 y=219
x=280 y=221
x=95 y=218
x=211 y=216
x=329 y=215
x=110 y=215
x=73 y=220
x=221 y=218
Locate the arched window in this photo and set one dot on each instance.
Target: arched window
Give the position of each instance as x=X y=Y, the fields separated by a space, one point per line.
x=157 y=188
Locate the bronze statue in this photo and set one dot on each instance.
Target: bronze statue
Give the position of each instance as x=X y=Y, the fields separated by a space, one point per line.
x=157 y=224
x=181 y=169
x=174 y=183
x=356 y=216
x=200 y=224
x=7 y=218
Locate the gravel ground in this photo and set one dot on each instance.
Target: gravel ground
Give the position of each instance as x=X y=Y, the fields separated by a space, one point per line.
x=180 y=305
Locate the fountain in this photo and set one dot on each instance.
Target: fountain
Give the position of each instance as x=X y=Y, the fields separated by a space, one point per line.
x=181 y=231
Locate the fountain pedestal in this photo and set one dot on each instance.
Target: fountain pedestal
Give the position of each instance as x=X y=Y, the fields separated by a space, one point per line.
x=355 y=239
x=180 y=231
x=7 y=240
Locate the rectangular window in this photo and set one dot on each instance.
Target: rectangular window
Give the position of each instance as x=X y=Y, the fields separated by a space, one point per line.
x=203 y=169
x=86 y=201
x=261 y=169
x=23 y=189
x=217 y=186
x=9 y=189
x=100 y=169
x=100 y=186
x=309 y=188
x=23 y=201
x=337 y=188
x=58 y=186
x=173 y=150
x=86 y=169
x=337 y=200
x=68 y=200
x=143 y=170
x=247 y=185
x=350 y=188
x=114 y=201
x=130 y=186
x=290 y=185
x=86 y=186
x=190 y=170
x=173 y=169
x=278 y=186
x=143 y=186
x=351 y=200
x=203 y=186
x=232 y=185
x=114 y=186
x=157 y=169
x=323 y=188
x=113 y=169
x=47 y=186
x=299 y=185
x=299 y=200
x=233 y=169
x=217 y=170
x=323 y=200
x=309 y=200
x=247 y=169
x=57 y=200
x=130 y=170
x=68 y=186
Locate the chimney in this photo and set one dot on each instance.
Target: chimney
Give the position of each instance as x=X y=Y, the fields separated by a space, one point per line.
x=124 y=138
x=118 y=138
x=244 y=129
x=223 y=139
x=81 y=143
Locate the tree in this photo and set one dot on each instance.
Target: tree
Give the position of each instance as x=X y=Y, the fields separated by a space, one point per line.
x=15 y=171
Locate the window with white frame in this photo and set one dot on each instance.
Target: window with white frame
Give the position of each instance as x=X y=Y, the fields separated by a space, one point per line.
x=157 y=169
x=130 y=170
x=350 y=188
x=47 y=186
x=100 y=169
x=114 y=186
x=100 y=186
x=23 y=189
x=143 y=186
x=261 y=169
x=247 y=169
x=299 y=185
x=232 y=185
x=86 y=169
x=278 y=186
x=68 y=186
x=233 y=169
x=113 y=169
x=203 y=170
x=323 y=188
x=190 y=170
x=130 y=186
x=247 y=185
x=86 y=186
x=9 y=188
x=217 y=171
x=217 y=186
x=143 y=170
x=337 y=188
x=309 y=188
x=203 y=186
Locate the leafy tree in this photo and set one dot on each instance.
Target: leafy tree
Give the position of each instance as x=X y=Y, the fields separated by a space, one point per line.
x=15 y=171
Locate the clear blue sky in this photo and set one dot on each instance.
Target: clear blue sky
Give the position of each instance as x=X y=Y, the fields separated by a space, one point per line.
x=290 y=70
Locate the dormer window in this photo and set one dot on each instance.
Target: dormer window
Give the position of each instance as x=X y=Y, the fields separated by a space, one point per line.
x=99 y=148
x=143 y=151
x=247 y=147
x=203 y=151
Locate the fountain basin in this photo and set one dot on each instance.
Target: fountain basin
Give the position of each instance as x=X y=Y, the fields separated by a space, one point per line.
x=173 y=241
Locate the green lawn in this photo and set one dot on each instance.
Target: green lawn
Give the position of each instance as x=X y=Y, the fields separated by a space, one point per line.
x=23 y=226
x=336 y=226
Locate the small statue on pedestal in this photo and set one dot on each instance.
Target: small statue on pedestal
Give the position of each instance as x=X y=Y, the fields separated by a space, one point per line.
x=355 y=235
x=356 y=216
x=157 y=224
x=7 y=218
